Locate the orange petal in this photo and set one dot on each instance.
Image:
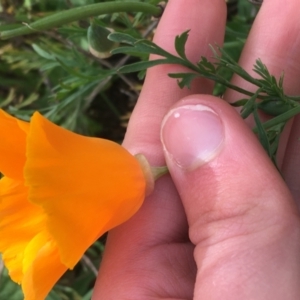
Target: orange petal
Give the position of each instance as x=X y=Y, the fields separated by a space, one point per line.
x=12 y=146
x=85 y=185
x=20 y=221
x=44 y=270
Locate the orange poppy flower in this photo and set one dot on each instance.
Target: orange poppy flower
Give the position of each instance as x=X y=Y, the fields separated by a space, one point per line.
x=60 y=192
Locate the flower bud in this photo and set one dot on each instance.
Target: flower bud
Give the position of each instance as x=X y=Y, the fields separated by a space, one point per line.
x=99 y=45
x=275 y=107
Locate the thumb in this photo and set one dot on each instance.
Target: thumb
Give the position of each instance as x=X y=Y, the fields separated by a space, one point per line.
x=242 y=219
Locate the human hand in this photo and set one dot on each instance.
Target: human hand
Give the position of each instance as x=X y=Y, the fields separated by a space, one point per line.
x=232 y=229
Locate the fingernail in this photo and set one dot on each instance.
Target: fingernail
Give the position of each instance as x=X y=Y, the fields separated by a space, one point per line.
x=192 y=135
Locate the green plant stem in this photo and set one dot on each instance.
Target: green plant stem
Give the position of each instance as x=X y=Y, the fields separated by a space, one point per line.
x=280 y=119
x=216 y=78
x=78 y=13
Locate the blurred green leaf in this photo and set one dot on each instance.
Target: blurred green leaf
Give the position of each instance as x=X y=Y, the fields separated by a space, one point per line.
x=8 y=289
x=138 y=66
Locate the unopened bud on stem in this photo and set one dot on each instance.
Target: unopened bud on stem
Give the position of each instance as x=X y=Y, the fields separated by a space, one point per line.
x=99 y=45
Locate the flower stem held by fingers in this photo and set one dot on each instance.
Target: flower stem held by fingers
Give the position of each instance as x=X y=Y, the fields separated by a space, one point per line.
x=151 y=173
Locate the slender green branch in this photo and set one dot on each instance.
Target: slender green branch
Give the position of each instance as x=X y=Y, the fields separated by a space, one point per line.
x=294 y=98
x=214 y=77
x=221 y=80
x=280 y=119
x=78 y=13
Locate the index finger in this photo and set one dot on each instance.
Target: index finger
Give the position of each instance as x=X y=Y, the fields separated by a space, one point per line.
x=206 y=21
x=161 y=220
x=275 y=39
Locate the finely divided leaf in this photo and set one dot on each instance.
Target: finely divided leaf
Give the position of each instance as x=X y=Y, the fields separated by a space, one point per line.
x=142 y=65
x=43 y=53
x=141 y=46
x=184 y=79
x=127 y=50
x=119 y=37
x=180 y=42
x=238 y=103
x=205 y=65
x=262 y=134
x=248 y=107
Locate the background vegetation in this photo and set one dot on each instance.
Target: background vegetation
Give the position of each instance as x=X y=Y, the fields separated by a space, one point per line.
x=54 y=72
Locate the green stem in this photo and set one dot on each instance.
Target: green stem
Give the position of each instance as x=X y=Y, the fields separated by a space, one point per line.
x=78 y=13
x=214 y=77
x=158 y=172
x=280 y=119
x=294 y=98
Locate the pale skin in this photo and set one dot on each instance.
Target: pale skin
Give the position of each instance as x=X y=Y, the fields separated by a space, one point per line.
x=229 y=228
